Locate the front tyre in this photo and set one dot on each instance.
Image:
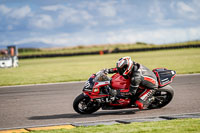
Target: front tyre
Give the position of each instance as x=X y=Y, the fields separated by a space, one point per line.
x=163 y=96
x=83 y=105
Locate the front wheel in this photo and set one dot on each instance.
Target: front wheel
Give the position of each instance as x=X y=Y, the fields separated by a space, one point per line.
x=83 y=105
x=162 y=96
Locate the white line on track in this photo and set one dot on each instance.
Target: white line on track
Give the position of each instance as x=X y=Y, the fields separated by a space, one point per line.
x=74 y=82
x=97 y=121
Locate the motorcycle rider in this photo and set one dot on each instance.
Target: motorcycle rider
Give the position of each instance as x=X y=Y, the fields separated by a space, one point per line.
x=139 y=76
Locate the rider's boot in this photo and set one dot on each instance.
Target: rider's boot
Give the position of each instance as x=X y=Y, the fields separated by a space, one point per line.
x=133 y=96
x=145 y=99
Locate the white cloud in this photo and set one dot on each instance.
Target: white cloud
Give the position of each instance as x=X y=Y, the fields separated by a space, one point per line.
x=196 y=3
x=157 y=15
x=178 y=12
x=155 y=11
x=55 y=40
x=83 y=14
x=183 y=7
x=107 y=9
x=66 y=14
x=43 y=21
x=99 y=23
x=53 y=7
x=188 y=11
x=75 y=16
x=159 y=36
x=114 y=21
x=69 y=15
x=17 y=13
x=20 y=12
x=4 y=9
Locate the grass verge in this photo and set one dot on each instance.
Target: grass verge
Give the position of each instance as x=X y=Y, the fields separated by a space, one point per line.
x=77 y=68
x=172 y=126
x=94 y=48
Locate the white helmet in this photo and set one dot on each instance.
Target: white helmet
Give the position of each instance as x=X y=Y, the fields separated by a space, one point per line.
x=124 y=66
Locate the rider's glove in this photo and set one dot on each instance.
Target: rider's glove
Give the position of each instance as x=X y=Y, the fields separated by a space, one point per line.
x=105 y=70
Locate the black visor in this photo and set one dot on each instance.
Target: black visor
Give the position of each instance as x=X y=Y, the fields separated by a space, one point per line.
x=122 y=70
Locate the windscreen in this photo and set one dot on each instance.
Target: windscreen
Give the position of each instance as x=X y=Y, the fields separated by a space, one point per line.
x=101 y=77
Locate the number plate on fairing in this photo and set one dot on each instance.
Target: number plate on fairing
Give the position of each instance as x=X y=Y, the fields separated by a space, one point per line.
x=89 y=84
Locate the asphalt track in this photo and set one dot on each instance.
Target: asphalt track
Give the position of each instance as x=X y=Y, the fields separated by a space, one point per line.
x=35 y=105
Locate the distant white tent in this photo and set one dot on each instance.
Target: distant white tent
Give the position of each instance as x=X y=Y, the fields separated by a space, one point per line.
x=10 y=58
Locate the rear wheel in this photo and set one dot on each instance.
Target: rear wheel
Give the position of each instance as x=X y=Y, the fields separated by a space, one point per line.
x=162 y=96
x=83 y=105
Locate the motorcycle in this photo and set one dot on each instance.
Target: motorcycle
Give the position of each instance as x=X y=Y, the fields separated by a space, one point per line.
x=100 y=91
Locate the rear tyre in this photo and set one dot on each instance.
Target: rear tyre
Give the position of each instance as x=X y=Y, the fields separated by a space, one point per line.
x=83 y=105
x=163 y=96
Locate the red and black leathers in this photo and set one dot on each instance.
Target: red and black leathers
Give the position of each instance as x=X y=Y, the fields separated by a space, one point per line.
x=143 y=77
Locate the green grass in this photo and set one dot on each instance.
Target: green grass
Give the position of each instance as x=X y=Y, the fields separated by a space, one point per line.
x=172 y=126
x=94 y=48
x=77 y=68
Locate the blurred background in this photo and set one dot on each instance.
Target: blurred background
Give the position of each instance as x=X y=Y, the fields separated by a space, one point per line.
x=94 y=35
x=64 y=23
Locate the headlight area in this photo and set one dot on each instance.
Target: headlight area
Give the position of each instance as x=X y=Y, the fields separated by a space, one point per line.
x=95 y=90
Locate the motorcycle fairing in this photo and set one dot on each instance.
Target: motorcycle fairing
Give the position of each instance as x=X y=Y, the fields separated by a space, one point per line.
x=100 y=84
x=164 y=76
x=121 y=102
x=94 y=96
x=89 y=84
x=119 y=82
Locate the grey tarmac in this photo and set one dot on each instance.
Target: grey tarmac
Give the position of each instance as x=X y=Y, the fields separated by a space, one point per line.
x=51 y=104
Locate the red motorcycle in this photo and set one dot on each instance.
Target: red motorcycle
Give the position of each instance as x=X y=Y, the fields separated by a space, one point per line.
x=100 y=91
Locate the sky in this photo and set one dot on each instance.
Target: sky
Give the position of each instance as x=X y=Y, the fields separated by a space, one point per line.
x=64 y=23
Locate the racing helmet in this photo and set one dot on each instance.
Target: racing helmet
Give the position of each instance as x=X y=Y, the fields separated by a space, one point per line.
x=124 y=66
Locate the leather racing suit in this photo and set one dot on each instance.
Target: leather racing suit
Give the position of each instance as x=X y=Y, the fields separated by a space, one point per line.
x=143 y=77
